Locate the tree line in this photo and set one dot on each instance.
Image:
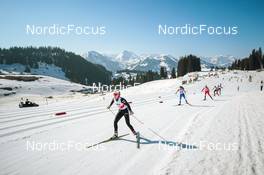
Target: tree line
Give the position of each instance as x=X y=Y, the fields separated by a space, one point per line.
x=75 y=67
x=253 y=62
x=141 y=77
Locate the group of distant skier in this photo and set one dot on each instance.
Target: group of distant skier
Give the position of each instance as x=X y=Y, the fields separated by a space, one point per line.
x=218 y=89
x=182 y=93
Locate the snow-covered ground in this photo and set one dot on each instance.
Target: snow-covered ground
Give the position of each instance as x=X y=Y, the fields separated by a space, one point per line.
x=43 y=90
x=224 y=136
x=43 y=69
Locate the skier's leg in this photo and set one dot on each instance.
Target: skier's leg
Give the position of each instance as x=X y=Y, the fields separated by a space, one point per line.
x=117 y=118
x=183 y=95
x=128 y=123
x=210 y=96
x=180 y=99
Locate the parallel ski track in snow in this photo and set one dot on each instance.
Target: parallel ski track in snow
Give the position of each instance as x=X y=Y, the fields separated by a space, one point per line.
x=74 y=114
x=56 y=108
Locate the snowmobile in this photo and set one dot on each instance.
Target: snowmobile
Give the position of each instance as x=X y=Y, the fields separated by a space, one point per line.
x=27 y=103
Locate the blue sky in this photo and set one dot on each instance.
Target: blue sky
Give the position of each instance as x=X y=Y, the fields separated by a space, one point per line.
x=133 y=25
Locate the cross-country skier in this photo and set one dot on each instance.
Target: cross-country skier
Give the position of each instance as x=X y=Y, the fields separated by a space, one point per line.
x=206 y=91
x=261 y=85
x=216 y=90
x=182 y=93
x=123 y=110
x=220 y=87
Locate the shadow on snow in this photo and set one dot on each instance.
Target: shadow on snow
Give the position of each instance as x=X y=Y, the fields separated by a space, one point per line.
x=146 y=141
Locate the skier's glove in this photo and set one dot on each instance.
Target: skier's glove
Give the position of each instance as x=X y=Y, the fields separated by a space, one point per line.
x=131 y=113
x=108 y=107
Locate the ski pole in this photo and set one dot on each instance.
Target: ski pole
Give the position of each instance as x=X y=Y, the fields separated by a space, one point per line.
x=111 y=112
x=154 y=132
x=138 y=120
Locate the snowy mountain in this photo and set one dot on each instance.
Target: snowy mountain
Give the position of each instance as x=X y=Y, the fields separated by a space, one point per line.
x=220 y=60
x=132 y=61
x=127 y=57
x=205 y=64
x=154 y=62
x=144 y=62
x=108 y=62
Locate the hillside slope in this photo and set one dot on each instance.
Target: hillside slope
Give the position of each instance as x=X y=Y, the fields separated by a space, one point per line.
x=230 y=129
x=73 y=67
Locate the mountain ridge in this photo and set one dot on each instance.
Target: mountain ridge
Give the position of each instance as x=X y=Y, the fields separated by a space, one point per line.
x=144 y=62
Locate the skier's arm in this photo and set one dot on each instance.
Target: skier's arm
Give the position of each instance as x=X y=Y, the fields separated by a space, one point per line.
x=108 y=107
x=127 y=104
x=177 y=91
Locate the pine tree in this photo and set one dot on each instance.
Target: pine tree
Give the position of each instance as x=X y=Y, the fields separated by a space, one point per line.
x=253 y=62
x=173 y=73
x=259 y=58
x=163 y=72
x=27 y=69
x=187 y=64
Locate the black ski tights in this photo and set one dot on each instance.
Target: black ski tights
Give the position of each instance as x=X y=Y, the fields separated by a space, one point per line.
x=119 y=115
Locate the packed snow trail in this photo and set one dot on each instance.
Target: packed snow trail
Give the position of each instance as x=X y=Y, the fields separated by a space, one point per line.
x=236 y=124
x=224 y=136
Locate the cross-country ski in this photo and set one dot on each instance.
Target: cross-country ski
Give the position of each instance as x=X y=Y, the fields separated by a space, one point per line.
x=107 y=140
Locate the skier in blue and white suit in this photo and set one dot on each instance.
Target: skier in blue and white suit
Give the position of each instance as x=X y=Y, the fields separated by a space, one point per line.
x=182 y=93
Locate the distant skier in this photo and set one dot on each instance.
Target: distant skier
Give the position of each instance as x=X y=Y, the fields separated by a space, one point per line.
x=250 y=78
x=216 y=90
x=206 y=91
x=220 y=87
x=261 y=85
x=123 y=110
x=182 y=93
